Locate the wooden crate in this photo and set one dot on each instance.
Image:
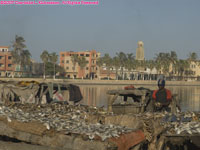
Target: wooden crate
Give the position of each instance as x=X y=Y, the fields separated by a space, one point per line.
x=127 y=108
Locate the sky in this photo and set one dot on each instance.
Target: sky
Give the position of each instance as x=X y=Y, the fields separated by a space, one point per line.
x=110 y=27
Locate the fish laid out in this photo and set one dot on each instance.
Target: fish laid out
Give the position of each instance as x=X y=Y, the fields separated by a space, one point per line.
x=182 y=123
x=63 y=118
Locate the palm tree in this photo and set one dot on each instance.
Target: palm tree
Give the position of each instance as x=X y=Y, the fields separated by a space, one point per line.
x=74 y=59
x=193 y=56
x=108 y=61
x=116 y=64
x=82 y=62
x=53 y=57
x=182 y=67
x=45 y=58
x=163 y=62
x=129 y=63
x=99 y=63
x=20 y=55
x=150 y=64
x=26 y=60
x=122 y=59
x=173 y=59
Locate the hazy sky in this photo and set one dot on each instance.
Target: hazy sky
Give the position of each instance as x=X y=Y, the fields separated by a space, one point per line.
x=110 y=27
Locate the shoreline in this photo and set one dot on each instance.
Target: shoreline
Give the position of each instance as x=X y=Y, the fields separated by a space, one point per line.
x=106 y=82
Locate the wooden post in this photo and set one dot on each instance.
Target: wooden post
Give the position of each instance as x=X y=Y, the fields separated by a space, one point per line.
x=111 y=99
x=143 y=102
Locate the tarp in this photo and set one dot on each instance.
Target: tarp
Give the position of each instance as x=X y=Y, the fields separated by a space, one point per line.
x=34 y=92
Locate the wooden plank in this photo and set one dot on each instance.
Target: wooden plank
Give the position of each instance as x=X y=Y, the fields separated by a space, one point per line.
x=54 y=140
x=25 y=146
x=181 y=135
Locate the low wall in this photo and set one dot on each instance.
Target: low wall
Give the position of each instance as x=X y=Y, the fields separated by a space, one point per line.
x=107 y=82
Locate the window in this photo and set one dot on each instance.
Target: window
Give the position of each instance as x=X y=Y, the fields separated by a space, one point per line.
x=67 y=61
x=63 y=55
x=73 y=68
x=9 y=65
x=86 y=68
x=1 y=57
x=87 y=55
x=96 y=55
x=96 y=68
x=2 y=50
x=1 y=65
x=62 y=61
x=67 y=68
x=68 y=76
x=9 y=57
x=81 y=54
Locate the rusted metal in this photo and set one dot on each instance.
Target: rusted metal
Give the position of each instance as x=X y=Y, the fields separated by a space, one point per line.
x=126 y=141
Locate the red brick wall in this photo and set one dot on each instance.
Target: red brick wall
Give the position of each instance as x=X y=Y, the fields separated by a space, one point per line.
x=5 y=61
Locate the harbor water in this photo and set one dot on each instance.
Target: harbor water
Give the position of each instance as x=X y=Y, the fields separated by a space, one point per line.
x=188 y=96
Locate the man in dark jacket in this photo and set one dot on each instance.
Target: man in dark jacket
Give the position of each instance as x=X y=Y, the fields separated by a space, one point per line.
x=162 y=97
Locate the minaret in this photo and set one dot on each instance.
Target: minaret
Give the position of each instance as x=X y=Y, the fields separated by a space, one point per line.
x=140 y=51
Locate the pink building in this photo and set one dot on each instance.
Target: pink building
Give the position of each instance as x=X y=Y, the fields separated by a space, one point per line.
x=91 y=69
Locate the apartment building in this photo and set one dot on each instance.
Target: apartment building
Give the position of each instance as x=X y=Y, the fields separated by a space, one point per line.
x=6 y=65
x=89 y=71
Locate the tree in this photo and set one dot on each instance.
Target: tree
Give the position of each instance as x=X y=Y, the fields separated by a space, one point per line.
x=26 y=60
x=116 y=64
x=74 y=59
x=99 y=63
x=122 y=59
x=50 y=69
x=163 y=62
x=182 y=66
x=129 y=63
x=45 y=58
x=150 y=64
x=21 y=56
x=192 y=56
x=173 y=60
x=53 y=57
x=108 y=61
x=82 y=63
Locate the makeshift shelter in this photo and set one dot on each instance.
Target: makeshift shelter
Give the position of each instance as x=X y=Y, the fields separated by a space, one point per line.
x=34 y=92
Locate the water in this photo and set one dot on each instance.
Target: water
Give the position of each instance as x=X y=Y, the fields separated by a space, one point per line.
x=188 y=96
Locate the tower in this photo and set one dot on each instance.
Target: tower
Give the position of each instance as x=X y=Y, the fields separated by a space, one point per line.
x=140 y=51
